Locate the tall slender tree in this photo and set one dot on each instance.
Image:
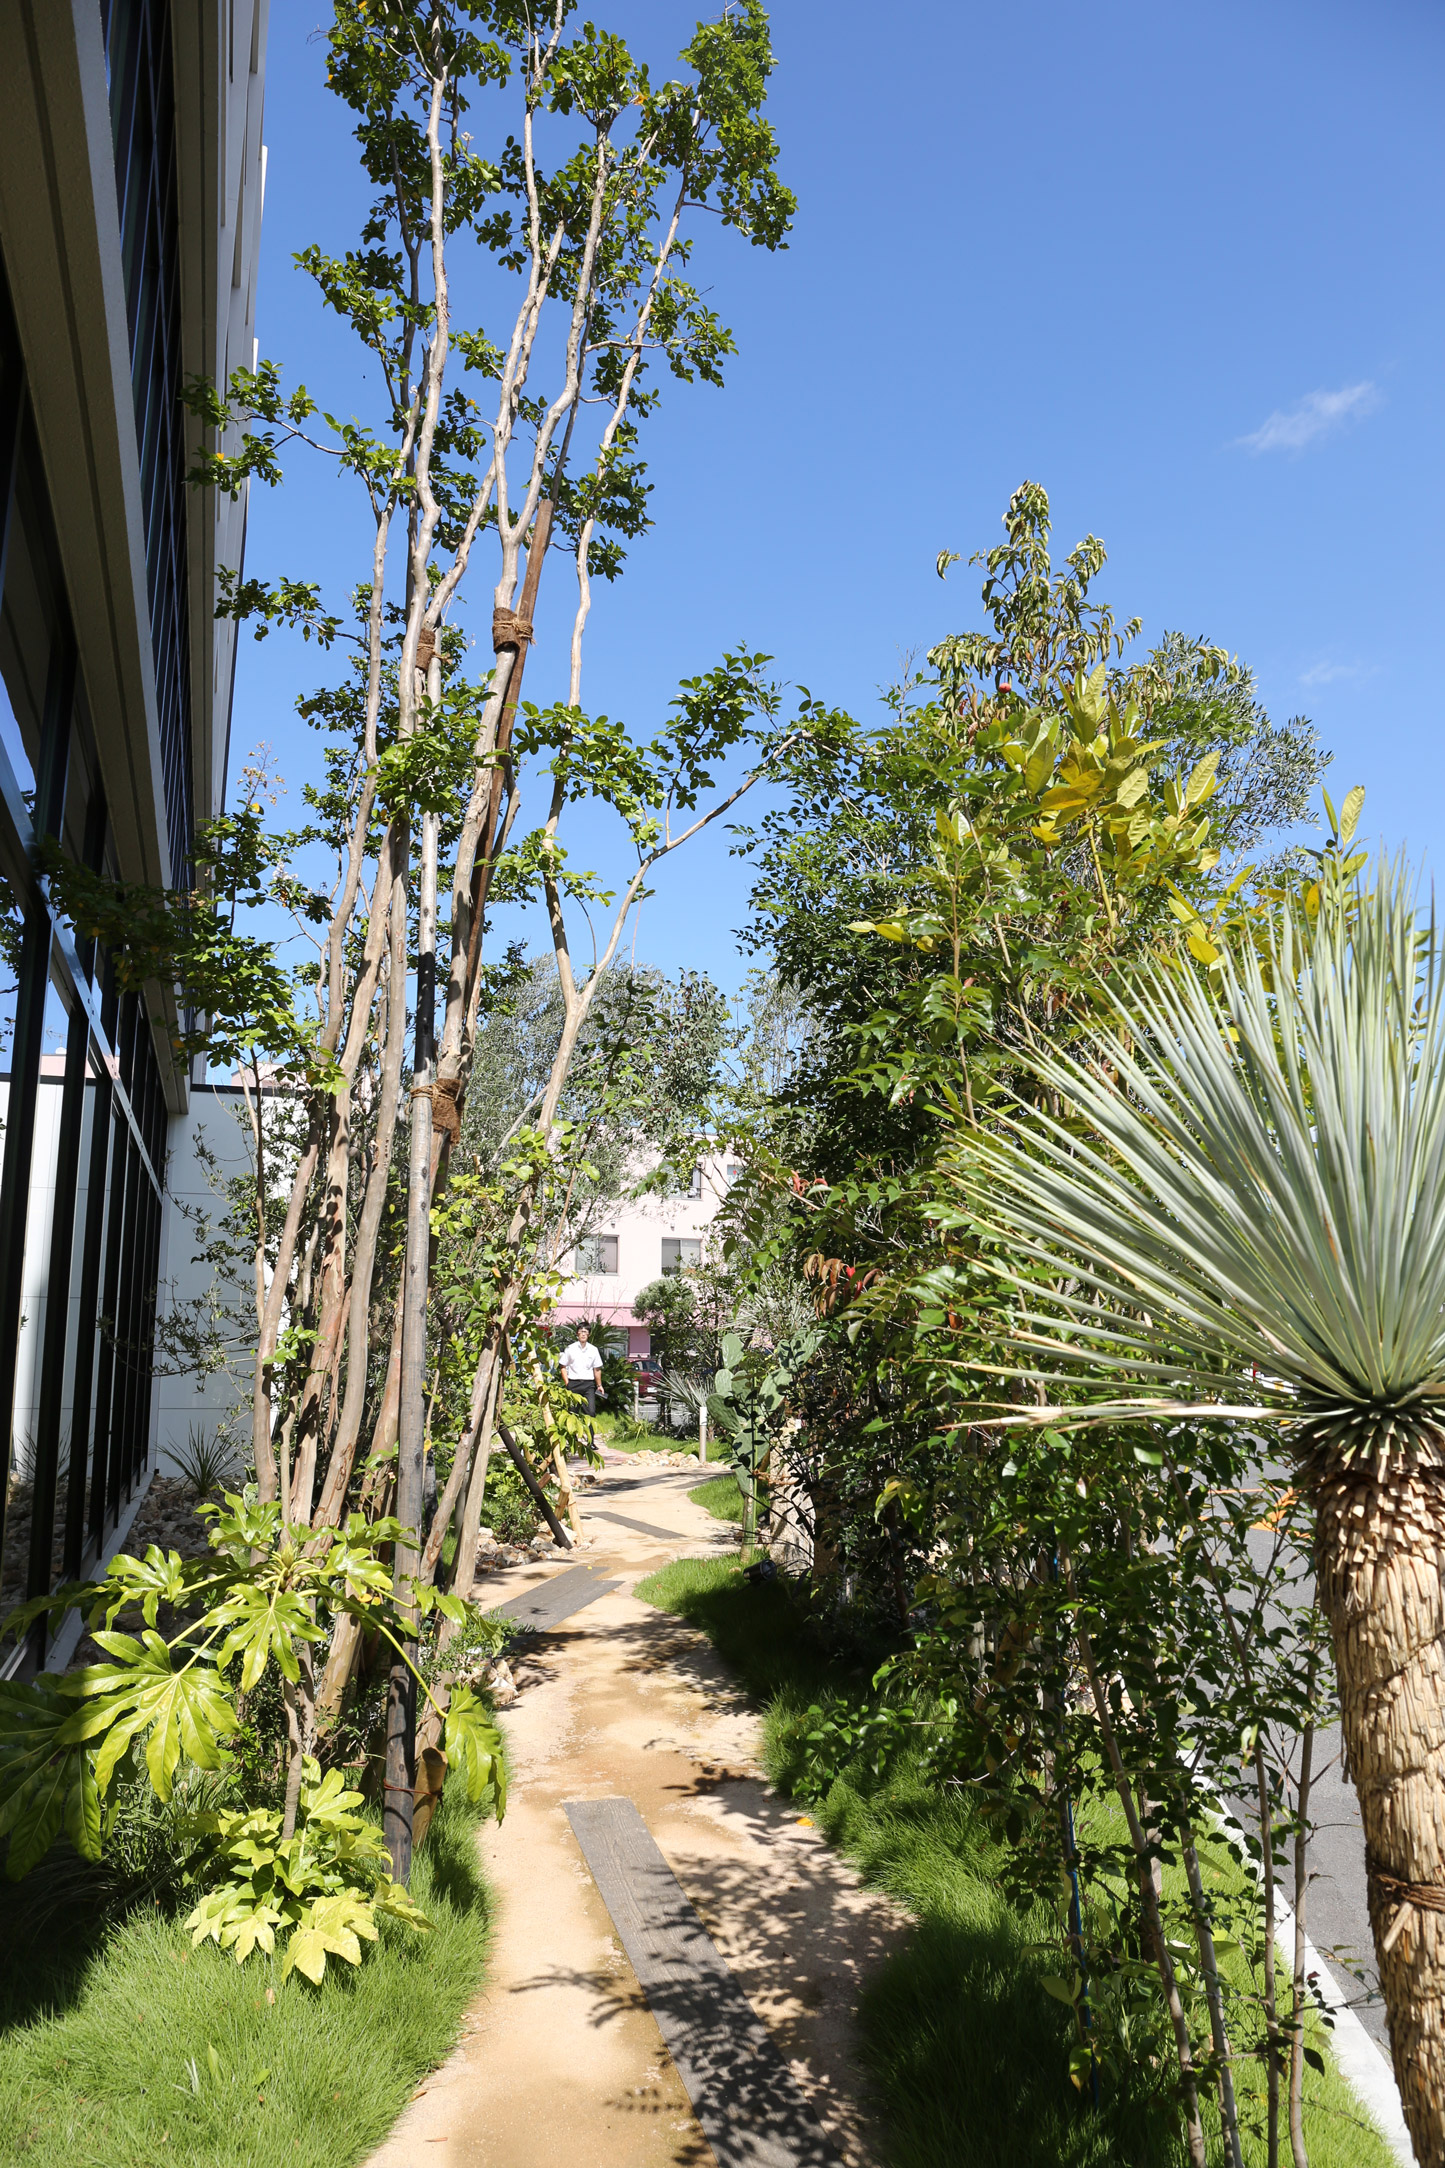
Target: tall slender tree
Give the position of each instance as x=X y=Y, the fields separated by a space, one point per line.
x=522 y=155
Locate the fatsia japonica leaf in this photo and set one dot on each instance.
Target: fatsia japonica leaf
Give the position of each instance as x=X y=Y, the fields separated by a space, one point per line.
x=325 y=1800
x=349 y=1566
x=324 y=1885
x=330 y=1927
x=235 y=1919
x=265 y=1621
x=244 y=1524
x=473 y=1746
x=160 y=1577
x=142 y=1692
x=70 y=1595
x=47 y=1781
x=393 y=1899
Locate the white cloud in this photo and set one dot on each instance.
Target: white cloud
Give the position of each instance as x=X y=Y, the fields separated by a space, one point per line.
x=1318 y=414
x=1336 y=673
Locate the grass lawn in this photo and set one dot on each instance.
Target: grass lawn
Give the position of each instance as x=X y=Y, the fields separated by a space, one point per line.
x=140 y=2051
x=624 y=1436
x=721 y=1497
x=965 y=2051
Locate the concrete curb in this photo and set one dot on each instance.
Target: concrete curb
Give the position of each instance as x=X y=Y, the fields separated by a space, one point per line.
x=1361 y=2063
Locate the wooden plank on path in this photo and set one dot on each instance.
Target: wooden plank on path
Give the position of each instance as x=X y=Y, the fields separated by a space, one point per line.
x=743 y=2093
x=616 y=1484
x=547 y=1603
x=643 y=1528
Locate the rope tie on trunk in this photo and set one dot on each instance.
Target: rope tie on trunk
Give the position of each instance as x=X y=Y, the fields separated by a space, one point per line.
x=509 y=629
x=1425 y=1896
x=444 y=1113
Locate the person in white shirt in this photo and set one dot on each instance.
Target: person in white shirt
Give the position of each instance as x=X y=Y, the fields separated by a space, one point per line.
x=582 y=1368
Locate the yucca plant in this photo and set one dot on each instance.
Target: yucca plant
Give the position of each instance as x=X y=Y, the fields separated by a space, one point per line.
x=207 y=1460
x=1234 y=1207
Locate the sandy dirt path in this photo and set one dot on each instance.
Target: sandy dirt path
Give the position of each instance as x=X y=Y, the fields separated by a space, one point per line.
x=561 y=2064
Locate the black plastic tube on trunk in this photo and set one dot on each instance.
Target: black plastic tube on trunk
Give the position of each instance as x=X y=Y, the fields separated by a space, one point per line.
x=523 y=1467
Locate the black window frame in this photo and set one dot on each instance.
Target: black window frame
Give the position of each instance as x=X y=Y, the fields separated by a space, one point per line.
x=109 y=1049
x=140 y=61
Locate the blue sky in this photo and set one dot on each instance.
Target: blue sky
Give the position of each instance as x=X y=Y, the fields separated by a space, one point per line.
x=1180 y=266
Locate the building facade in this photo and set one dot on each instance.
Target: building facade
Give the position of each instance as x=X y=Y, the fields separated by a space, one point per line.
x=131 y=183
x=639 y=1241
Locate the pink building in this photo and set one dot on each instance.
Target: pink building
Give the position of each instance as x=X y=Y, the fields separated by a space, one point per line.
x=636 y=1242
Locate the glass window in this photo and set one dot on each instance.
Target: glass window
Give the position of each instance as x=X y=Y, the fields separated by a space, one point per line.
x=143 y=127
x=91 y=1125
x=50 y=1335
x=680 y=1253
x=82 y=1125
x=14 y=745
x=34 y=624
x=44 y=1159
x=27 y=1202
x=12 y=933
x=596 y=1253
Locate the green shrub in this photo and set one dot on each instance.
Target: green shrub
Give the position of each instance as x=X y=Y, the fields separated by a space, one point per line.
x=966 y=2049
x=507 y=1507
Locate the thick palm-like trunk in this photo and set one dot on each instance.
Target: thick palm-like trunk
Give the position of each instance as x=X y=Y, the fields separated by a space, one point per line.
x=1381 y=1563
